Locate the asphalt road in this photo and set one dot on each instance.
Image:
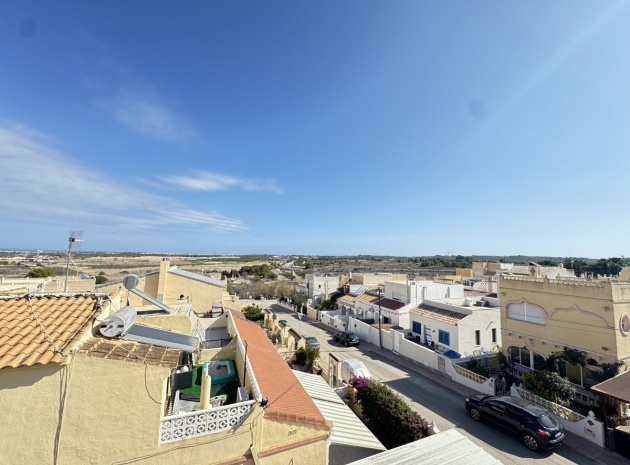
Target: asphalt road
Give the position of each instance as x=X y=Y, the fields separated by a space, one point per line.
x=432 y=400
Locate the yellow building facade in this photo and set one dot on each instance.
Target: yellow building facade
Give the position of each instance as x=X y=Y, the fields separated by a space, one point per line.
x=540 y=316
x=174 y=287
x=106 y=402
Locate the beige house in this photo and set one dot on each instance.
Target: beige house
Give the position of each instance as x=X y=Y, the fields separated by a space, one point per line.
x=176 y=288
x=541 y=315
x=71 y=396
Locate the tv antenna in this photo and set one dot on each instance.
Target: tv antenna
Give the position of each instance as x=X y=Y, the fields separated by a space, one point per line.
x=74 y=241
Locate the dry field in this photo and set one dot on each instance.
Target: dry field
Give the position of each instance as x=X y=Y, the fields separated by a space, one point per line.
x=115 y=266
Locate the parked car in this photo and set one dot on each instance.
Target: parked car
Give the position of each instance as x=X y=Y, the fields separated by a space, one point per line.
x=282 y=322
x=312 y=342
x=348 y=339
x=535 y=425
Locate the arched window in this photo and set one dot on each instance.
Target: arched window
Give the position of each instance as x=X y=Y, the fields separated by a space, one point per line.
x=524 y=356
x=526 y=311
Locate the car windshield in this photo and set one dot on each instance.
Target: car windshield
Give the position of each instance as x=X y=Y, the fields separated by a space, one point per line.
x=352 y=336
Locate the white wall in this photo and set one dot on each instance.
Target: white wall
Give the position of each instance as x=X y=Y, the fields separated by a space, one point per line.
x=483 y=319
x=435 y=327
x=319 y=286
x=416 y=292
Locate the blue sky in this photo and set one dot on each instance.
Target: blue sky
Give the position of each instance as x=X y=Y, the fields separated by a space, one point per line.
x=321 y=128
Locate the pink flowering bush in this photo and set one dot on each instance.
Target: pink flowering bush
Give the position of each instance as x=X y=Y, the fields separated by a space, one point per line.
x=387 y=415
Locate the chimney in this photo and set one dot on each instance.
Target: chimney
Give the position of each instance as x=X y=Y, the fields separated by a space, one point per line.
x=165 y=265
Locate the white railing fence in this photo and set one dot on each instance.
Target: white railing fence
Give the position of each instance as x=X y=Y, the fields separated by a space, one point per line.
x=201 y=422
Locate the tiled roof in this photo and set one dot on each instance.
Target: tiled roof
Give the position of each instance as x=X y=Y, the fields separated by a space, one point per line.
x=287 y=399
x=391 y=304
x=439 y=314
x=39 y=329
x=367 y=298
x=346 y=298
x=135 y=352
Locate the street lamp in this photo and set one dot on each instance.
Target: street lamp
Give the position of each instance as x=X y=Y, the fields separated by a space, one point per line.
x=380 y=335
x=300 y=324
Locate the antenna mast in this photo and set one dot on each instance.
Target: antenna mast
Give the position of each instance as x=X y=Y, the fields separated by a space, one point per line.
x=75 y=237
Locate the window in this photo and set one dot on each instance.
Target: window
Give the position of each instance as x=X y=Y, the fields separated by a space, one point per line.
x=525 y=311
x=478 y=338
x=498 y=406
x=444 y=337
x=416 y=327
x=494 y=334
x=523 y=356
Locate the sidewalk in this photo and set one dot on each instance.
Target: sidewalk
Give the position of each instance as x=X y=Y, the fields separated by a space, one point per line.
x=572 y=442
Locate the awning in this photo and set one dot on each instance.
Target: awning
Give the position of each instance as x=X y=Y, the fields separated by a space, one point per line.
x=452 y=354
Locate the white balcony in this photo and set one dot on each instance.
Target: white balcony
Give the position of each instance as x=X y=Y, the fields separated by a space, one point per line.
x=202 y=422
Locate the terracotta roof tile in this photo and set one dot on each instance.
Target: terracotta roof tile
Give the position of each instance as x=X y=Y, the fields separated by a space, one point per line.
x=391 y=304
x=37 y=329
x=133 y=352
x=287 y=399
x=439 y=314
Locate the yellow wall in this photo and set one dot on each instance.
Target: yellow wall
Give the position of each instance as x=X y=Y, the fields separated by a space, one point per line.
x=111 y=414
x=579 y=314
x=170 y=286
x=464 y=272
x=177 y=323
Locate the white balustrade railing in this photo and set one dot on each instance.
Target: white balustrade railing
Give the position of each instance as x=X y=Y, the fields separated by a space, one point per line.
x=557 y=409
x=202 y=422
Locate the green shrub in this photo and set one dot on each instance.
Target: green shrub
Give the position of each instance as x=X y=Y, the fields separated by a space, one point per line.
x=476 y=366
x=41 y=272
x=300 y=356
x=550 y=385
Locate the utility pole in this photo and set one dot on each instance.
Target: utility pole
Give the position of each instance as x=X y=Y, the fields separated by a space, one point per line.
x=380 y=334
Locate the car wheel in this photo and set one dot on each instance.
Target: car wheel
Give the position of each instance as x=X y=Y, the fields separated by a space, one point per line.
x=531 y=442
x=346 y=343
x=475 y=414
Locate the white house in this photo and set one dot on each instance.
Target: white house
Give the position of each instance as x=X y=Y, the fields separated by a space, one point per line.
x=319 y=287
x=416 y=292
x=469 y=325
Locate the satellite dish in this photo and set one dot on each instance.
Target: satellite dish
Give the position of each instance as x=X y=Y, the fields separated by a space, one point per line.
x=130 y=281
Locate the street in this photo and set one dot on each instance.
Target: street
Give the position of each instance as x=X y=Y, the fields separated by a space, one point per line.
x=430 y=399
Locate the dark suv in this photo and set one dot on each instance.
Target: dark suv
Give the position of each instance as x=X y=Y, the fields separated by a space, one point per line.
x=533 y=423
x=348 y=339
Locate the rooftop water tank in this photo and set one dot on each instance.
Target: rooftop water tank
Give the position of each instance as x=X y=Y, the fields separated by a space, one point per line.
x=118 y=323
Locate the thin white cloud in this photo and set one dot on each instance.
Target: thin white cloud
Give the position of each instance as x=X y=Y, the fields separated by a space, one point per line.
x=39 y=184
x=206 y=181
x=139 y=108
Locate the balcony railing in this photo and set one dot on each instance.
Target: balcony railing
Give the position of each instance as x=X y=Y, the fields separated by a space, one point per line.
x=202 y=422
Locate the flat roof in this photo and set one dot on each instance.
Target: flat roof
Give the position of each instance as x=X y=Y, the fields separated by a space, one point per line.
x=449 y=447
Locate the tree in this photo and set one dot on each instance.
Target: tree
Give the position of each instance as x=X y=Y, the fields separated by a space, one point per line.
x=609 y=370
x=550 y=386
x=387 y=415
x=41 y=272
x=100 y=278
x=253 y=313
